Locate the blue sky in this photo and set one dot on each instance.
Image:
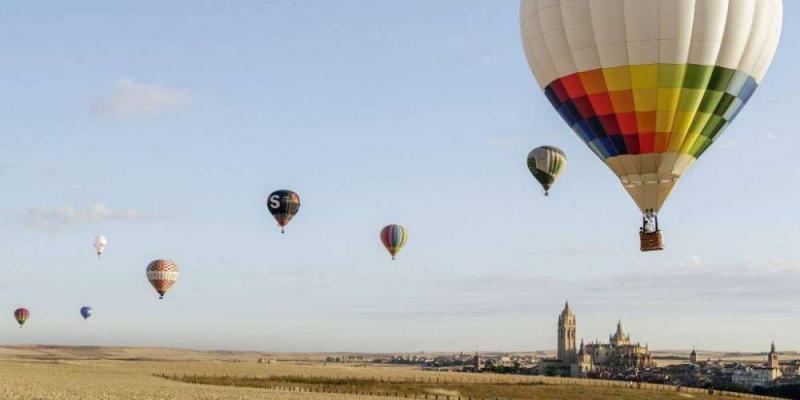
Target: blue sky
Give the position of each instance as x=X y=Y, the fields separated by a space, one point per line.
x=164 y=127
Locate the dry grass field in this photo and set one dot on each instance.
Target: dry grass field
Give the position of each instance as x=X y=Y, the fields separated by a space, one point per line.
x=99 y=373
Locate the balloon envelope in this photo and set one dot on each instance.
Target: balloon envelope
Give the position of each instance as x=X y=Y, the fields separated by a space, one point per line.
x=100 y=244
x=86 y=312
x=283 y=205
x=394 y=237
x=21 y=315
x=546 y=164
x=162 y=274
x=649 y=85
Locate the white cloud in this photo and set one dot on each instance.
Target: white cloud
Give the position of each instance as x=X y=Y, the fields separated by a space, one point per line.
x=771 y=136
x=731 y=143
x=694 y=261
x=579 y=251
x=747 y=288
x=772 y=265
x=129 y=99
x=66 y=216
x=505 y=141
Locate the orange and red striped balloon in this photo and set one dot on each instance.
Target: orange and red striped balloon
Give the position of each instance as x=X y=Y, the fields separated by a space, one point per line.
x=162 y=274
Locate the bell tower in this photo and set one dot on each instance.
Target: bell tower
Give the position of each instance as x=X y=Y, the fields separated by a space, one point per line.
x=566 y=335
x=773 y=361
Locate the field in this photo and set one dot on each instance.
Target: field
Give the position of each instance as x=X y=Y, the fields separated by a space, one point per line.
x=98 y=373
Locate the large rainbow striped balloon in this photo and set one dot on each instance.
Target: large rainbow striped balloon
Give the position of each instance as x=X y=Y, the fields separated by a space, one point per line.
x=649 y=85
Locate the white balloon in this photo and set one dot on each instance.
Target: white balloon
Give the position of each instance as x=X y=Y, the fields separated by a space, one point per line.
x=100 y=244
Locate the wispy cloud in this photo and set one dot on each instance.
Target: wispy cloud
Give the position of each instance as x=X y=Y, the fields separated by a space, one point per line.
x=771 y=136
x=579 y=251
x=772 y=265
x=731 y=143
x=694 y=261
x=505 y=140
x=65 y=216
x=129 y=99
x=749 y=288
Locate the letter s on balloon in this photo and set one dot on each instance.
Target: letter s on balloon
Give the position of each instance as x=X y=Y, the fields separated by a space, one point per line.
x=274 y=202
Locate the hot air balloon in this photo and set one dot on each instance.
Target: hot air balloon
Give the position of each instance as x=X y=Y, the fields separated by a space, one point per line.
x=162 y=274
x=649 y=85
x=86 y=312
x=394 y=237
x=546 y=164
x=283 y=205
x=21 y=315
x=100 y=244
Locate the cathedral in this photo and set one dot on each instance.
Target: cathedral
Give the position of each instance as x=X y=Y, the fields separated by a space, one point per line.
x=616 y=355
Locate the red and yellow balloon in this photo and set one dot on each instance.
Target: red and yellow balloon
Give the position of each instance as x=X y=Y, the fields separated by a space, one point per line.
x=649 y=85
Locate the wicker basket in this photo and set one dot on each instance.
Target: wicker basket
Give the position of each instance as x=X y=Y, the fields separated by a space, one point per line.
x=651 y=241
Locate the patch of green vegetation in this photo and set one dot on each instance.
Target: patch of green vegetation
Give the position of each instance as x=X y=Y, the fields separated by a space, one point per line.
x=440 y=390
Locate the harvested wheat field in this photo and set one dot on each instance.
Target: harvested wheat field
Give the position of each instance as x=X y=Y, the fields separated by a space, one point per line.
x=97 y=373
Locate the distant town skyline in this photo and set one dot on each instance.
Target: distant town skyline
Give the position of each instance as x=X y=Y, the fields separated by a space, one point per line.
x=623 y=359
x=164 y=125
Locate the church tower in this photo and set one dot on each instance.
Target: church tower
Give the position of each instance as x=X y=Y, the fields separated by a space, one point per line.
x=693 y=357
x=566 y=336
x=773 y=361
x=619 y=338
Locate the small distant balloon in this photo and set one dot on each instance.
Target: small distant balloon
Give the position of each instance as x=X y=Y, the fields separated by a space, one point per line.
x=162 y=274
x=283 y=205
x=21 y=315
x=86 y=312
x=546 y=164
x=100 y=244
x=394 y=237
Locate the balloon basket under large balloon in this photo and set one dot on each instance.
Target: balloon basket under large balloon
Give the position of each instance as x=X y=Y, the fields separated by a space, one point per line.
x=546 y=193
x=283 y=230
x=393 y=258
x=651 y=241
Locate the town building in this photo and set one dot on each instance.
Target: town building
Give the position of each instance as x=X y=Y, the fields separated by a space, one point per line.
x=617 y=355
x=567 y=336
x=583 y=365
x=761 y=376
x=619 y=352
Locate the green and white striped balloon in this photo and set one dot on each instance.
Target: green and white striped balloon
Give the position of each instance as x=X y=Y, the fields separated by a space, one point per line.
x=546 y=164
